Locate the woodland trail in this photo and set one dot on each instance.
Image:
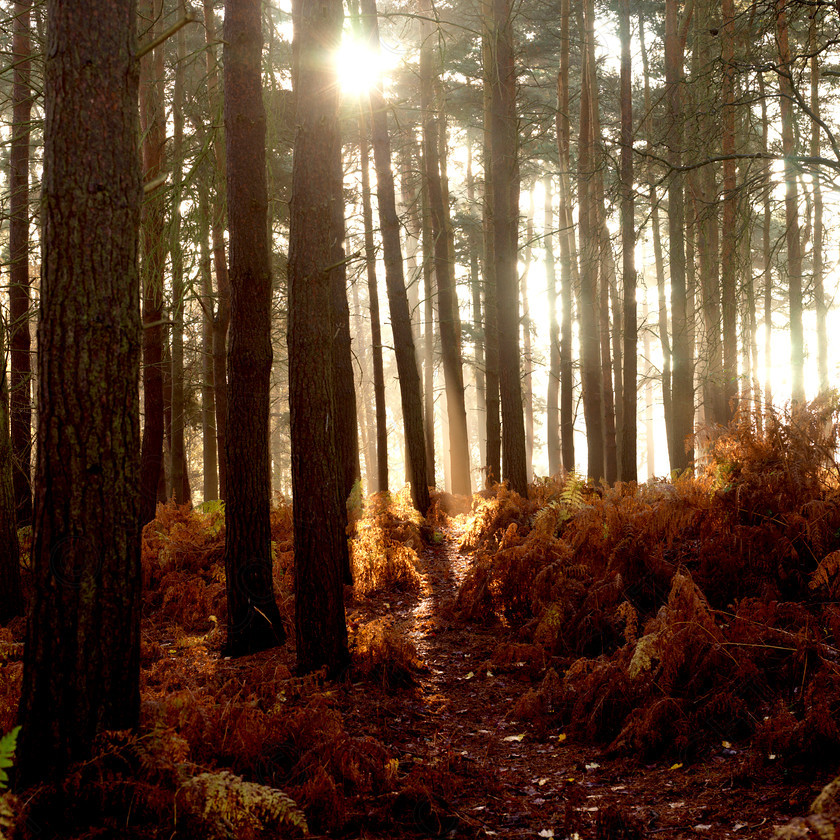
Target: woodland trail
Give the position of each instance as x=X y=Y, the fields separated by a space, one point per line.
x=510 y=779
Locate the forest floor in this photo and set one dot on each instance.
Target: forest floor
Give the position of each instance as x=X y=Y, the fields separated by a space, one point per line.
x=514 y=781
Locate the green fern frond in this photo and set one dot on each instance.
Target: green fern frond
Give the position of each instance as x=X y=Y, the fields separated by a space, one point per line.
x=8 y=745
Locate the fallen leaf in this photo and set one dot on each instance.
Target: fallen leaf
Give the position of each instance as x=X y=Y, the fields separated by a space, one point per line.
x=470 y=675
x=593 y=765
x=547 y=832
x=561 y=737
x=676 y=766
x=514 y=737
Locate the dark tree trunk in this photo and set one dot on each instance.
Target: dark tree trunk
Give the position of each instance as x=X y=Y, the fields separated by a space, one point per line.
x=375 y=321
x=21 y=369
x=501 y=74
x=153 y=247
x=11 y=602
x=493 y=465
x=254 y=621
x=410 y=392
x=180 y=476
x=82 y=661
x=221 y=322
x=208 y=400
x=316 y=482
x=627 y=468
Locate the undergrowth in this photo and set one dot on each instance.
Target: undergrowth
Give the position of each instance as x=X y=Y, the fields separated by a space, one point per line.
x=677 y=615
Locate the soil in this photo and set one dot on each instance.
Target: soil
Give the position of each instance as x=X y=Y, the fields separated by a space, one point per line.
x=514 y=781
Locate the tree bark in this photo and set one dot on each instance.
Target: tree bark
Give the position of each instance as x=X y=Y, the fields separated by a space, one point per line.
x=321 y=629
x=411 y=396
x=180 y=473
x=221 y=321
x=254 y=621
x=208 y=401
x=501 y=74
x=153 y=245
x=628 y=468
x=552 y=398
x=444 y=276
x=19 y=283
x=375 y=322
x=82 y=659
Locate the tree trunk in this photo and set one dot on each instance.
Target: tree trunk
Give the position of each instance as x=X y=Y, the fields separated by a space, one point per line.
x=628 y=468
x=82 y=660
x=683 y=374
x=568 y=257
x=590 y=245
x=444 y=276
x=527 y=349
x=346 y=432
x=552 y=432
x=729 y=252
x=794 y=245
x=11 y=604
x=21 y=369
x=370 y=426
x=208 y=401
x=818 y=257
x=321 y=629
x=153 y=245
x=180 y=474
x=501 y=74
x=493 y=465
x=375 y=322
x=221 y=322
x=254 y=622
x=428 y=337
x=407 y=370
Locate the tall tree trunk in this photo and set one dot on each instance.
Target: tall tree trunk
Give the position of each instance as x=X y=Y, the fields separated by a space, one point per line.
x=11 y=604
x=410 y=393
x=590 y=245
x=683 y=373
x=767 y=265
x=794 y=245
x=370 y=423
x=254 y=621
x=501 y=74
x=82 y=662
x=527 y=361
x=321 y=628
x=346 y=433
x=180 y=475
x=818 y=257
x=153 y=245
x=221 y=322
x=375 y=322
x=493 y=465
x=568 y=257
x=552 y=432
x=21 y=369
x=428 y=337
x=627 y=468
x=208 y=401
x=444 y=277
x=729 y=252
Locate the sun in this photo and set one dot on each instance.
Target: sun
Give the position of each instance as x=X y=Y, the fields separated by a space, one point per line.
x=358 y=67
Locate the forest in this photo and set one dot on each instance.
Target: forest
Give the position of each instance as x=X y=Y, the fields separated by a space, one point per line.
x=419 y=419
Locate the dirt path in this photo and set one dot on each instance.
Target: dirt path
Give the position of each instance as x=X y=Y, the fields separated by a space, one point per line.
x=513 y=782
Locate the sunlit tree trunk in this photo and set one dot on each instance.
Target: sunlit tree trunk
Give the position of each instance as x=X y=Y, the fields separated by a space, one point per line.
x=568 y=255
x=589 y=246
x=153 y=245
x=444 y=278
x=375 y=322
x=411 y=396
x=527 y=350
x=180 y=477
x=818 y=232
x=221 y=321
x=20 y=368
x=792 y=236
x=627 y=467
x=321 y=629
x=208 y=402
x=82 y=661
x=552 y=432
x=493 y=464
